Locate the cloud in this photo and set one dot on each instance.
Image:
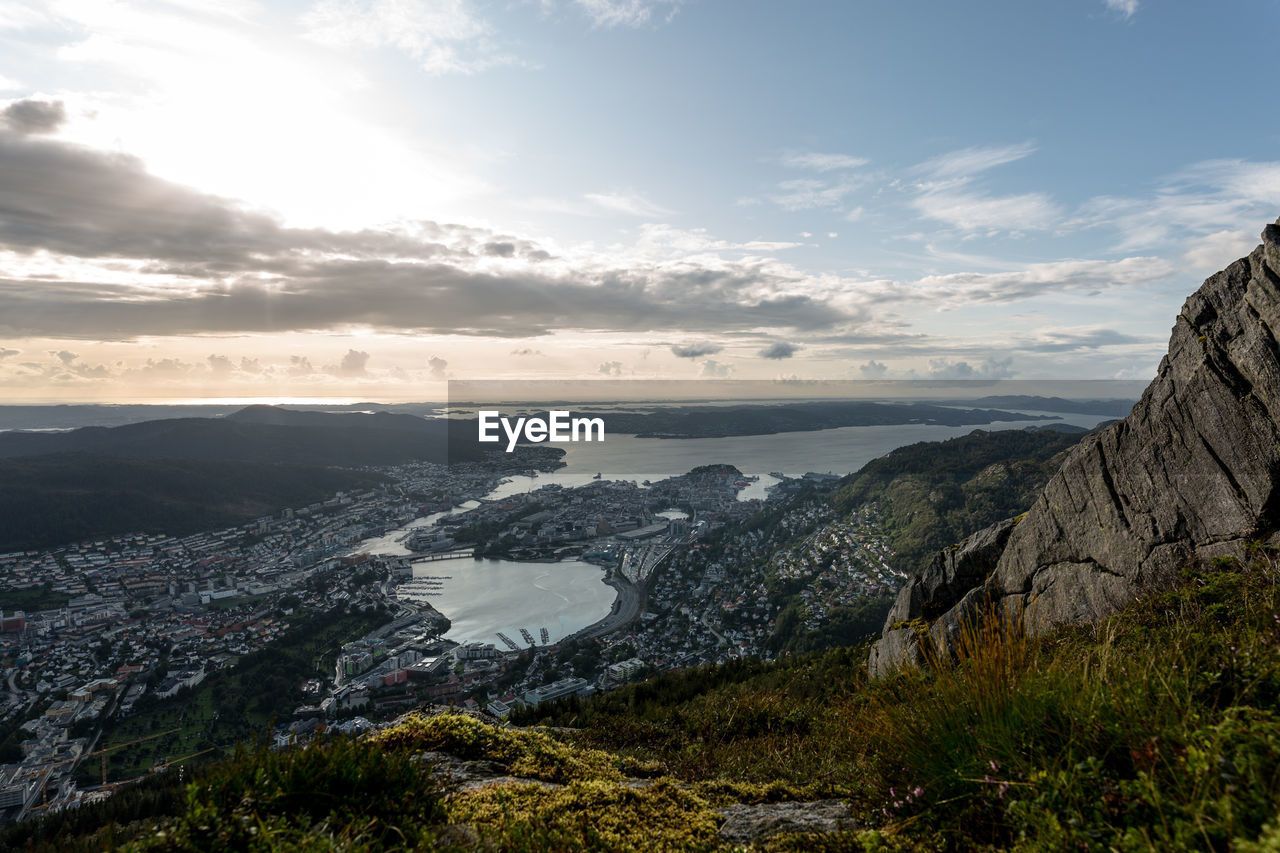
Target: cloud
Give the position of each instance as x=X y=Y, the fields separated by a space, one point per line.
x=696 y=350
x=1080 y=339
x=823 y=162
x=968 y=162
x=991 y=368
x=1124 y=8
x=629 y=204
x=976 y=211
x=808 y=194
x=196 y=263
x=5 y=352
x=300 y=365
x=626 y=13
x=437 y=366
x=526 y=351
x=1214 y=251
x=250 y=365
x=1193 y=204
x=353 y=363
x=443 y=36
x=1072 y=275
x=24 y=117
x=873 y=369
x=778 y=350
x=713 y=369
x=66 y=356
x=610 y=368
x=220 y=365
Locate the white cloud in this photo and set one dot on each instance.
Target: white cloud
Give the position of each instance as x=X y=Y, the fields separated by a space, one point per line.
x=627 y=203
x=823 y=162
x=970 y=161
x=1072 y=275
x=1193 y=205
x=627 y=13
x=713 y=369
x=661 y=240
x=1215 y=251
x=808 y=194
x=22 y=16
x=9 y=85
x=990 y=368
x=1125 y=8
x=442 y=35
x=610 y=368
x=971 y=211
x=873 y=369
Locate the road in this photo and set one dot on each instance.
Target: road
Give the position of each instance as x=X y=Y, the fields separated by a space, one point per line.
x=625 y=609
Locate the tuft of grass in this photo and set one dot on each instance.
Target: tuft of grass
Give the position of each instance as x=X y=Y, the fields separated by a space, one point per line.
x=333 y=794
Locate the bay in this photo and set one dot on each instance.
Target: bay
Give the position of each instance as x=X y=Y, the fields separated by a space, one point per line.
x=485 y=597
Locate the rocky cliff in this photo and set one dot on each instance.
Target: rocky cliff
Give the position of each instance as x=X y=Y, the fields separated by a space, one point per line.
x=1192 y=472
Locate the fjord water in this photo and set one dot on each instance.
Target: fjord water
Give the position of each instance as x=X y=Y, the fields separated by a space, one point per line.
x=483 y=597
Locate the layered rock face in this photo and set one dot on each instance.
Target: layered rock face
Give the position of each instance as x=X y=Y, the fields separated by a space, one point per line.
x=1193 y=471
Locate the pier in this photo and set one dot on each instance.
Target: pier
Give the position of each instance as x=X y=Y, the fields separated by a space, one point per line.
x=444 y=555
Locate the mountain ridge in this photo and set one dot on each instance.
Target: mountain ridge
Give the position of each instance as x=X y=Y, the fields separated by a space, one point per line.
x=1192 y=473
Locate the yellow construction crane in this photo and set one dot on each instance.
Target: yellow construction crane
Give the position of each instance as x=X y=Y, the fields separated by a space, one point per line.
x=103 y=752
x=48 y=768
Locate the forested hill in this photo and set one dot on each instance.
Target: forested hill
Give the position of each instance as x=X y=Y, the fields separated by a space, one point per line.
x=68 y=497
x=266 y=434
x=935 y=493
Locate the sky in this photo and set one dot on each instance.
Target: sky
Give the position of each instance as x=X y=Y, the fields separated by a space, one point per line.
x=363 y=199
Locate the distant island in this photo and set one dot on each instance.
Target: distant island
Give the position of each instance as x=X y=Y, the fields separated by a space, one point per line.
x=768 y=419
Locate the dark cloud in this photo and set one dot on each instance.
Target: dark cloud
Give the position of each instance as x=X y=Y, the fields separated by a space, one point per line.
x=1083 y=339
x=778 y=350
x=695 y=350
x=526 y=351
x=500 y=250
x=28 y=117
x=5 y=353
x=244 y=272
x=66 y=356
x=610 y=368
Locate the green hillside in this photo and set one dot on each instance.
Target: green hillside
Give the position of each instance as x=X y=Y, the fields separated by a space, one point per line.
x=1156 y=730
x=934 y=493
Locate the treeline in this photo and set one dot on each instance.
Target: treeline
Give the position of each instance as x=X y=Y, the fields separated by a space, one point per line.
x=52 y=500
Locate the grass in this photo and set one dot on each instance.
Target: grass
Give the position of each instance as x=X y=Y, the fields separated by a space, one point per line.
x=1156 y=730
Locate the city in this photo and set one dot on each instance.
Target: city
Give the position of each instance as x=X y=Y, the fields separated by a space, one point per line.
x=140 y=652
